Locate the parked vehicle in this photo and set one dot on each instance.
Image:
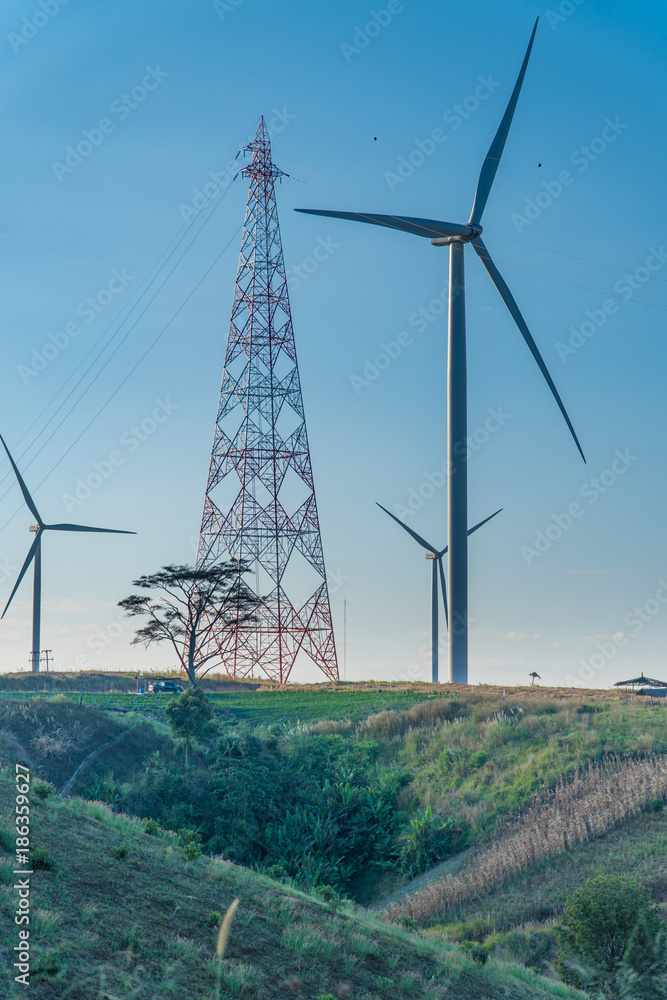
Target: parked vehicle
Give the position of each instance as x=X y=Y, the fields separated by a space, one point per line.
x=165 y=687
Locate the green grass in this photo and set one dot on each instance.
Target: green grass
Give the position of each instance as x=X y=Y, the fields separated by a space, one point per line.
x=525 y=751
x=257 y=707
x=137 y=928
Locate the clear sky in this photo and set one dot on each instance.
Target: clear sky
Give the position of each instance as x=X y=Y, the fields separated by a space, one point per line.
x=160 y=97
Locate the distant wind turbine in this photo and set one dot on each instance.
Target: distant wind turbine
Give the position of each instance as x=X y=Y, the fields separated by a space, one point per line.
x=436 y=571
x=36 y=554
x=456 y=235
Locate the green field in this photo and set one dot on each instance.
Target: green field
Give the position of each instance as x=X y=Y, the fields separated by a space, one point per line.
x=256 y=707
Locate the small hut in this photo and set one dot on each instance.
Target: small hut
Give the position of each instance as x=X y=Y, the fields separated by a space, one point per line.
x=647 y=687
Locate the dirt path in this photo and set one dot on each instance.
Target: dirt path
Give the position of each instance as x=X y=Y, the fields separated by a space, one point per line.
x=447 y=867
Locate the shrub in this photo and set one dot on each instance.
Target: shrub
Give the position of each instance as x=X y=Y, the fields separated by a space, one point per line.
x=214 y=919
x=192 y=851
x=277 y=872
x=330 y=896
x=47 y=963
x=654 y=805
x=42 y=789
x=612 y=927
x=534 y=949
x=408 y=922
x=186 y=835
x=120 y=852
x=478 y=952
x=41 y=859
x=151 y=827
x=479 y=758
x=471 y=930
x=428 y=839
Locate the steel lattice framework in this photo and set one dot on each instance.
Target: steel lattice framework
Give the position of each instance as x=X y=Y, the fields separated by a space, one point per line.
x=260 y=498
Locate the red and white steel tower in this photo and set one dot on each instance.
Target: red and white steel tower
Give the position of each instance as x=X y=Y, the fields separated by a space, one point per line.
x=260 y=498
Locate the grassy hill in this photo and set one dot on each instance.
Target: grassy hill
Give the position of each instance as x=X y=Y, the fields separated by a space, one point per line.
x=359 y=789
x=124 y=914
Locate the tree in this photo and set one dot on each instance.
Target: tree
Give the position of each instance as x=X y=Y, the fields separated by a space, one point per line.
x=189 y=716
x=191 y=600
x=613 y=929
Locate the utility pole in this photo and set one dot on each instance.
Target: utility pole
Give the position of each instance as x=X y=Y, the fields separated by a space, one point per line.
x=47 y=657
x=345 y=639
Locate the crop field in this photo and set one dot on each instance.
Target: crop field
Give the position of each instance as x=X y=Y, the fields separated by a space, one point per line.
x=256 y=707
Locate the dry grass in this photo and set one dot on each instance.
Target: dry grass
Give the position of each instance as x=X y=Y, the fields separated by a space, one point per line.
x=597 y=799
x=424 y=714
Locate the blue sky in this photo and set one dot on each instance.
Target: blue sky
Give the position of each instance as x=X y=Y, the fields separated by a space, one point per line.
x=354 y=93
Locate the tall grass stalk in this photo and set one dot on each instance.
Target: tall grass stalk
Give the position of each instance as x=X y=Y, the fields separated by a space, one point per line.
x=223 y=935
x=596 y=799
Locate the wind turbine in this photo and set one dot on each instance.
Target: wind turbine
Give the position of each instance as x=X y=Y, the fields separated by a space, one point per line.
x=436 y=571
x=36 y=554
x=455 y=236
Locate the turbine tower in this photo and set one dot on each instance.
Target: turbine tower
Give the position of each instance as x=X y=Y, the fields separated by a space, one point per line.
x=455 y=236
x=436 y=571
x=35 y=553
x=260 y=502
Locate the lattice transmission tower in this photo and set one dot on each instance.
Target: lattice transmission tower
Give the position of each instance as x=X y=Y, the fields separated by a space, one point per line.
x=260 y=498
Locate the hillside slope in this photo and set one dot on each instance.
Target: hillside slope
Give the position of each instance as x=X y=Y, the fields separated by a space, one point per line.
x=125 y=915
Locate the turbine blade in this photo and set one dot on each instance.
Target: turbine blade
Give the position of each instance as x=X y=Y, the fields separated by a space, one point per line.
x=444 y=590
x=418 y=538
x=470 y=530
x=430 y=228
x=490 y=165
x=508 y=299
x=83 y=527
x=24 y=570
x=24 y=489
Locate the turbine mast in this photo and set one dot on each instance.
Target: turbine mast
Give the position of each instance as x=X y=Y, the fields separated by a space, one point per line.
x=433 y=556
x=457 y=472
x=36 y=600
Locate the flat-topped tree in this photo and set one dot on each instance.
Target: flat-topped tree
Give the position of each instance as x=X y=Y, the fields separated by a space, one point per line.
x=189 y=601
